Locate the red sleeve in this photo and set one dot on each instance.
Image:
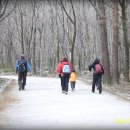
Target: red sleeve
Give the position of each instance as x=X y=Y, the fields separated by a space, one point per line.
x=58 y=70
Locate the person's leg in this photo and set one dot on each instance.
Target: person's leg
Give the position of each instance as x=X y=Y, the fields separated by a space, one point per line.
x=72 y=85
x=20 y=81
x=100 y=84
x=66 y=83
x=94 y=83
x=63 y=83
x=24 y=80
x=60 y=80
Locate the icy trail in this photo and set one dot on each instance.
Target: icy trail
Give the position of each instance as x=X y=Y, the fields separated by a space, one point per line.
x=42 y=106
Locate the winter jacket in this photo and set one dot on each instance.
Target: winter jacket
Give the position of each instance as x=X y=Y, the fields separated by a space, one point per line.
x=58 y=70
x=93 y=67
x=27 y=65
x=73 y=76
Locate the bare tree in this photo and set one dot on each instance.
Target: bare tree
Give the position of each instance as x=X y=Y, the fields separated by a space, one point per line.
x=73 y=21
x=103 y=37
x=34 y=37
x=3 y=9
x=45 y=32
x=123 y=4
x=114 y=66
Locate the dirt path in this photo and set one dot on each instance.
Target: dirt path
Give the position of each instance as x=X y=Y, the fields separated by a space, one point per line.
x=7 y=96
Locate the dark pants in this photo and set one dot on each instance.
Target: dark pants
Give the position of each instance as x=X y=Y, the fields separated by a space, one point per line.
x=97 y=80
x=72 y=83
x=65 y=82
x=22 y=80
x=61 y=81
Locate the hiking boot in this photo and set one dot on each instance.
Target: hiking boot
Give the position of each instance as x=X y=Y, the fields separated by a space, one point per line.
x=66 y=92
x=20 y=87
x=100 y=92
x=93 y=91
x=63 y=91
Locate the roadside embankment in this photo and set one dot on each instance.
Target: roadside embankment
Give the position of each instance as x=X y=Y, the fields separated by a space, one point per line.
x=6 y=95
x=4 y=83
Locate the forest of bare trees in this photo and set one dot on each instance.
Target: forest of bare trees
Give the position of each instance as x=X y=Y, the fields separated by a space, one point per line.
x=48 y=30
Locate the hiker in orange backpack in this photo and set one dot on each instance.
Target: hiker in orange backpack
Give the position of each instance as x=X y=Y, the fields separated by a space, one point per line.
x=97 y=75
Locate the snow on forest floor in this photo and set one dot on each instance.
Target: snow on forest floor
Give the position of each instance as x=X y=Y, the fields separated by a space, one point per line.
x=43 y=106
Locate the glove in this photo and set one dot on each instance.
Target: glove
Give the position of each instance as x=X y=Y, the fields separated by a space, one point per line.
x=59 y=75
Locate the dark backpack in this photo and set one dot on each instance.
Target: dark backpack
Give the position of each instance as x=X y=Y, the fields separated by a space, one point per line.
x=21 y=66
x=98 y=69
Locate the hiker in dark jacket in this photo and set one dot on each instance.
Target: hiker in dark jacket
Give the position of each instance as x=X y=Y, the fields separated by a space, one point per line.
x=22 y=68
x=98 y=71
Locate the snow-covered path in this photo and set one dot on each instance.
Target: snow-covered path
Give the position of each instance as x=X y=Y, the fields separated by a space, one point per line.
x=42 y=106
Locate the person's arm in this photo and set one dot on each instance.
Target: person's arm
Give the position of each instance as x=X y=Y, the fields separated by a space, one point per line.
x=16 y=67
x=90 y=67
x=59 y=68
x=28 y=67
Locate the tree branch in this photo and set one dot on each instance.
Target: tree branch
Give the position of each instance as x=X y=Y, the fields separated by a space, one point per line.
x=66 y=11
x=9 y=12
x=4 y=5
x=120 y=2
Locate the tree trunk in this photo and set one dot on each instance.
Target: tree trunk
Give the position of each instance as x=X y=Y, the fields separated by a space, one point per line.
x=73 y=21
x=34 y=52
x=104 y=44
x=74 y=36
x=125 y=34
x=22 y=37
x=114 y=66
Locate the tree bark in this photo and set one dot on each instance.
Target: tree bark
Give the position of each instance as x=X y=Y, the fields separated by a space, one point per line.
x=125 y=35
x=104 y=44
x=22 y=31
x=73 y=21
x=114 y=66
